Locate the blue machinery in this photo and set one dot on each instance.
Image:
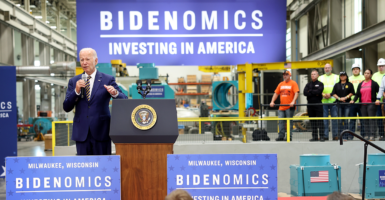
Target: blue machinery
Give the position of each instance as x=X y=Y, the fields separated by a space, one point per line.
x=153 y=88
x=375 y=176
x=375 y=168
x=219 y=92
x=108 y=69
x=40 y=125
x=314 y=176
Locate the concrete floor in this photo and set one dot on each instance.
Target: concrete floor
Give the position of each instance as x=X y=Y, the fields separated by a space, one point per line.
x=30 y=148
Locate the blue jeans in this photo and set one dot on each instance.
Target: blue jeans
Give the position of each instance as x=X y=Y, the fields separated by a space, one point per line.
x=343 y=111
x=354 y=109
x=333 y=113
x=282 y=123
x=379 y=122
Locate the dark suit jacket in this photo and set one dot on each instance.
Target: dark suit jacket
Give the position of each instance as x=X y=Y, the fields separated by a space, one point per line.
x=95 y=114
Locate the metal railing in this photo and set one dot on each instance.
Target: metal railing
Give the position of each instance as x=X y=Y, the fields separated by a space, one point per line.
x=229 y=129
x=365 y=155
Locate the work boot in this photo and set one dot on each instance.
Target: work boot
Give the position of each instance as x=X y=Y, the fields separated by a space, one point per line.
x=313 y=140
x=279 y=139
x=322 y=139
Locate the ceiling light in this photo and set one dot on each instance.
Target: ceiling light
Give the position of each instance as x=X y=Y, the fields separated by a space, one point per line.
x=18 y=5
x=53 y=27
x=39 y=17
x=47 y=22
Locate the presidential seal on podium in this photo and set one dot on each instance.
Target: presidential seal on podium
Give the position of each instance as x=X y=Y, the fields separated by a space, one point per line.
x=143 y=117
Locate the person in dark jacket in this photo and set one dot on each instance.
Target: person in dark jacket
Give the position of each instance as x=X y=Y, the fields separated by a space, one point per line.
x=313 y=92
x=367 y=93
x=343 y=91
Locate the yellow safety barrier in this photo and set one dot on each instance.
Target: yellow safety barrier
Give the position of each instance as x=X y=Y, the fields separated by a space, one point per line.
x=219 y=119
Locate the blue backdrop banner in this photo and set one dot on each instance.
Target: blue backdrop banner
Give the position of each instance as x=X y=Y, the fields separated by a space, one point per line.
x=72 y=177
x=8 y=115
x=224 y=176
x=183 y=32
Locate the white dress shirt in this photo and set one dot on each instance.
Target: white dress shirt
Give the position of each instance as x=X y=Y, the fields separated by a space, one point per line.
x=92 y=80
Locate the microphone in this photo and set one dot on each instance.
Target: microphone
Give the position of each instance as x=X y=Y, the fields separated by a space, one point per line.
x=84 y=77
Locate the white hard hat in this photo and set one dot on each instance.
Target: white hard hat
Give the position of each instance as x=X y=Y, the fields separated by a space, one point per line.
x=356 y=65
x=381 y=61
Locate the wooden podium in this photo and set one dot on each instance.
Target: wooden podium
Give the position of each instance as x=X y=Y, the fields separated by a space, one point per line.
x=143 y=153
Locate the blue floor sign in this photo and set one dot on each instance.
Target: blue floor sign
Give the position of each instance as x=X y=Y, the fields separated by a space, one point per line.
x=224 y=176
x=61 y=178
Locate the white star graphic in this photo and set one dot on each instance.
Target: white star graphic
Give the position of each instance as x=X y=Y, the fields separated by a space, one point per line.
x=3 y=174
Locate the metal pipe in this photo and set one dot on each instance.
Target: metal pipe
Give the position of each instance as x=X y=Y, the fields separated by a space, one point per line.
x=58 y=67
x=33 y=70
x=364 y=174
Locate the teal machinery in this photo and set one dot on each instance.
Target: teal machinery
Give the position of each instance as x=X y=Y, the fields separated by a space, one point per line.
x=314 y=176
x=375 y=176
x=151 y=88
x=223 y=101
x=108 y=69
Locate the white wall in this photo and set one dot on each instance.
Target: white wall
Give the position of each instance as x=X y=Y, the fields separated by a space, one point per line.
x=302 y=40
x=174 y=72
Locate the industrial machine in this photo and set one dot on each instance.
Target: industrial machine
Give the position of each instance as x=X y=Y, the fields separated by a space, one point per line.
x=375 y=177
x=314 y=176
x=152 y=88
x=40 y=126
x=224 y=95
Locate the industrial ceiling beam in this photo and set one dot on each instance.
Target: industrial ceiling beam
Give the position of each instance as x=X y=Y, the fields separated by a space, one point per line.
x=371 y=35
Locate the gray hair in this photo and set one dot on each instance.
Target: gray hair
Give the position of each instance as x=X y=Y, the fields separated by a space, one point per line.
x=92 y=51
x=314 y=70
x=179 y=194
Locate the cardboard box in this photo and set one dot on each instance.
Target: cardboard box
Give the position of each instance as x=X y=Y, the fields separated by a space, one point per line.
x=205 y=88
x=48 y=142
x=193 y=102
x=208 y=102
x=216 y=78
x=191 y=78
x=181 y=131
x=206 y=78
x=181 y=80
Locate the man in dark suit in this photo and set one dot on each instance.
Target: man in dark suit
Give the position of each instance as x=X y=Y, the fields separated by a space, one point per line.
x=91 y=123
